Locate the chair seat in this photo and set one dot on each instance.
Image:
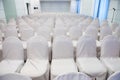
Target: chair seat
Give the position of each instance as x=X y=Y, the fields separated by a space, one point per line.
x=35 y=68
x=112 y=64
x=10 y=66
x=62 y=66
x=91 y=66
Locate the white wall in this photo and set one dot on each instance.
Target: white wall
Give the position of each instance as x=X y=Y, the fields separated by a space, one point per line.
x=2 y=13
x=55 y=5
x=87 y=7
x=114 y=4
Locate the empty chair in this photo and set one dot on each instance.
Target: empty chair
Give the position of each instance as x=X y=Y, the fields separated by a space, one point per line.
x=114 y=26
x=45 y=32
x=62 y=57
x=13 y=56
x=105 y=31
x=86 y=59
x=75 y=33
x=37 y=64
x=26 y=33
x=10 y=31
x=73 y=76
x=14 y=77
x=59 y=31
x=117 y=32
x=92 y=31
x=115 y=76
x=110 y=54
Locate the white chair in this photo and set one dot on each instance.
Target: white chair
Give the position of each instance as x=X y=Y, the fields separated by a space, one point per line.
x=10 y=31
x=75 y=33
x=117 y=32
x=37 y=64
x=114 y=26
x=92 y=31
x=86 y=59
x=13 y=56
x=105 y=31
x=73 y=76
x=14 y=77
x=45 y=32
x=62 y=57
x=110 y=54
x=59 y=31
x=26 y=33
x=115 y=76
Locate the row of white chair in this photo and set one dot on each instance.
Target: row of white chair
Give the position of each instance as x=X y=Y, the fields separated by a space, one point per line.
x=37 y=63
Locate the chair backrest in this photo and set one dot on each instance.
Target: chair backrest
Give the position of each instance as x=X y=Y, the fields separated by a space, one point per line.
x=110 y=47
x=37 y=48
x=59 y=31
x=115 y=76
x=13 y=49
x=14 y=77
x=62 y=48
x=10 y=31
x=26 y=33
x=73 y=76
x=86 y=47
x=117 y=32
x=105 y=31
x=75 y=33
x=114 y=26
x=92 y=31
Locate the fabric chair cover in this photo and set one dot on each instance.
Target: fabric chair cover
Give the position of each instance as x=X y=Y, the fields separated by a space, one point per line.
x=117 y=32
x=86 y=58
x=26 y=33
x=114 y=26
x=75 y=33
x=0 y=36
x=92 y=31
x=110 y=47
x=73 y=76
x=13 y=56
x=14 y=77
x=110 y=54
x=60 y=31
x=37 y=64
x=63 y=61
x=105 y=31
x=115 y=76
x=10 y=31
x=44 y=32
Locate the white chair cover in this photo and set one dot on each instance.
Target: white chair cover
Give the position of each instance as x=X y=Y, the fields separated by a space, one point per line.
x=92 y=31
x=110 y=54
x=62 y=45
x=14 y=77
x=105 y=31
x=110 y=47
x=63 y=61
x=86 y=59
x=10 y=31
x=26 y=33
x=86 y=47
x=73 y=76
x=75 y=33
x=0 y=36
x=44 y=32
x=114 y=26
x=115 y=76
x=117 y=32
x=13 y=56
x=37 y=64
x=60 y=31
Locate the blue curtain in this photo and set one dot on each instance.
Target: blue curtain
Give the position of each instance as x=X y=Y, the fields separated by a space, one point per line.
x=101 y=9
x=73 y=6
x=78 y=6
x=96 y=8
